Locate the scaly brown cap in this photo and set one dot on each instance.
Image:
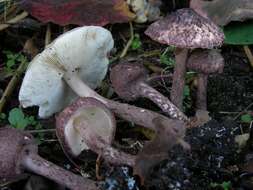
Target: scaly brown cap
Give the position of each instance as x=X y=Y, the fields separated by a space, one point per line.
x=186 y=29
x=206 y=61
x=124 y=75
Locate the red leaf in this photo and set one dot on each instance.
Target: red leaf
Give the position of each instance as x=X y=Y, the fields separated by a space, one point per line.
x=80 y=12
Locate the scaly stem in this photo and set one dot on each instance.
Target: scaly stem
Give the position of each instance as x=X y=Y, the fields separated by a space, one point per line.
x=130 y=113
x=38 y=165
x=202 y=92
x=163 y=102
x=177 y=89
x=105 y=150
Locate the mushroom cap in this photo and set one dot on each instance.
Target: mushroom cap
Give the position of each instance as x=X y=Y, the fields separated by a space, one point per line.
x=124 y=76
x=95 y=116
x=83 y=51
x=186 y=29
x=12 y=143
x=206 y=61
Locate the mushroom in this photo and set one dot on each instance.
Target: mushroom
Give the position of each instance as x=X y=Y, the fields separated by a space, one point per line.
x=78 y=54
x=204 y=62
x=129 y=82
x=184 y=29
x=18 y=153
x=89 y=124
x=78 y=58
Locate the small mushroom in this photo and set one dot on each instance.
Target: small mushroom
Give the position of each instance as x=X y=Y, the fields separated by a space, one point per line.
x=129 y=82
x=204 y=62
x=184 y=29
x=72 y=65
x=89 y=124
x=18 y=153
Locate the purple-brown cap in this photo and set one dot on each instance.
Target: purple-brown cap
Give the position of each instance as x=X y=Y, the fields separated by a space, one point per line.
x=186 y=29
x=124 y=75
x=206 y=61
x=12 y=143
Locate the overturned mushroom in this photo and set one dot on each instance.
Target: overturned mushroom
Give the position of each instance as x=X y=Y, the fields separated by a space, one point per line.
x=205 y=63
x=89 y=124
x=129 y=82
x=78 y=58
x=18 y=153
x=184 y=29
x=80 y=53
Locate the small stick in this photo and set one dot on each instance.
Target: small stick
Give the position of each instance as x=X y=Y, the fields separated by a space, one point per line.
x=48 y=35
x=249 y=54
x=124 y=52
x=14 y=20
x=98 y=163
x=246 y=109
x=12 y=84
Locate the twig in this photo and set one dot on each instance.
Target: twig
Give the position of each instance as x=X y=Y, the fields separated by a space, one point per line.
x=246 y=109
x=124 y=52
x=249 y=54
x=12 y=84
x=14 y=20
x=98 y=163
x=48 y=35
x=41 y=131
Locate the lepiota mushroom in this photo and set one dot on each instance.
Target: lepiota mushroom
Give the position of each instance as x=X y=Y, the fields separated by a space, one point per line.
x=129 y=82
x=184 y=29
x=18 y=153
x=205 y=63
x=78 y=58
x=89 y=124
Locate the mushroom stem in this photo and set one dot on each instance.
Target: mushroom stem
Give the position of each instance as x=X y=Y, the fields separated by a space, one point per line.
x=163 y=102
x=80 y=88
x=177 y=89
x=201 y=91
x=38 y=165
x=130 y=113
x=104 y=149
x=139 y=116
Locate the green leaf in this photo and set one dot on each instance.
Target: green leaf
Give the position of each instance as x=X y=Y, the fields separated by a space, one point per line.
x=2 y=116
x=17 y=119
x=10 y=63
x=136 y=43
x=246 y=118
x=166 y=59
x=239 y=33
x=186 y=91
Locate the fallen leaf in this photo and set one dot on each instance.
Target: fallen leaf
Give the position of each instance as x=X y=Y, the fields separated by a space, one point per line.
x=167 y=135
x=80 y=12
x=224 y=11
